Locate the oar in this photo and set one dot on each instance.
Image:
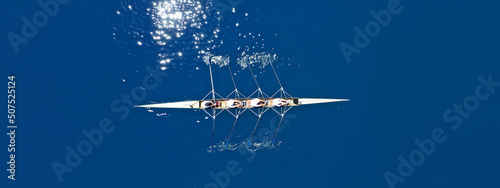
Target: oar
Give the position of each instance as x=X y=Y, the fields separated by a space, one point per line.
x=279 y=125
x=213 y=132
x=248 y=144
x=231 y=131
x=215 y=102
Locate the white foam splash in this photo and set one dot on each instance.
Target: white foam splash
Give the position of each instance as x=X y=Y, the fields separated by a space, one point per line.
x=243 y=145
x=261 y=59
x=220 y=60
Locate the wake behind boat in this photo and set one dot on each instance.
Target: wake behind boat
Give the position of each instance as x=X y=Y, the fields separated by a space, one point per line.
x=236 y=103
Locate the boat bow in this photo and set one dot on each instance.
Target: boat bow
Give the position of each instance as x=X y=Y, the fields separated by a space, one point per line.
x=304 y=101
x=183 y=104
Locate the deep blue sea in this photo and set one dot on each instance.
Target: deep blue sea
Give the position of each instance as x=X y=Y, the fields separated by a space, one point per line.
x=423 y=79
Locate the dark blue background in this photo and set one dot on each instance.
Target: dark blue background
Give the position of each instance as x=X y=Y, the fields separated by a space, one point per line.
x=424 y=61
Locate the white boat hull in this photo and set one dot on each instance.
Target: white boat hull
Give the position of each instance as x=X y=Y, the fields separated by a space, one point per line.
x=184 y=104
x=304 y=101
x=196 y=104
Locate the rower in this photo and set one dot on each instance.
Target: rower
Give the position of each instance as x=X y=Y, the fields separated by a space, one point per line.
x=279 y=102
x=256 y=103
x=207 y=105
x=232 y=103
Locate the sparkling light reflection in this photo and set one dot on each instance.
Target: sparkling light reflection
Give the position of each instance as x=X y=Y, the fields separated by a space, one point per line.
x=184 y=25
x=191 y=29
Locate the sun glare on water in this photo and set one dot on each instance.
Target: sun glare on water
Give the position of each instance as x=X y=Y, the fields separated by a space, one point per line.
x=191 y=29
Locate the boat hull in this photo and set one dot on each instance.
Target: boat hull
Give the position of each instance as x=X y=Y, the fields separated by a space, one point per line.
x=246 y=103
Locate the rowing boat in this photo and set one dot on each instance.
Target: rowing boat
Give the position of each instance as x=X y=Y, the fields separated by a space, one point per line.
x=223 y=103
x=236 y=103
